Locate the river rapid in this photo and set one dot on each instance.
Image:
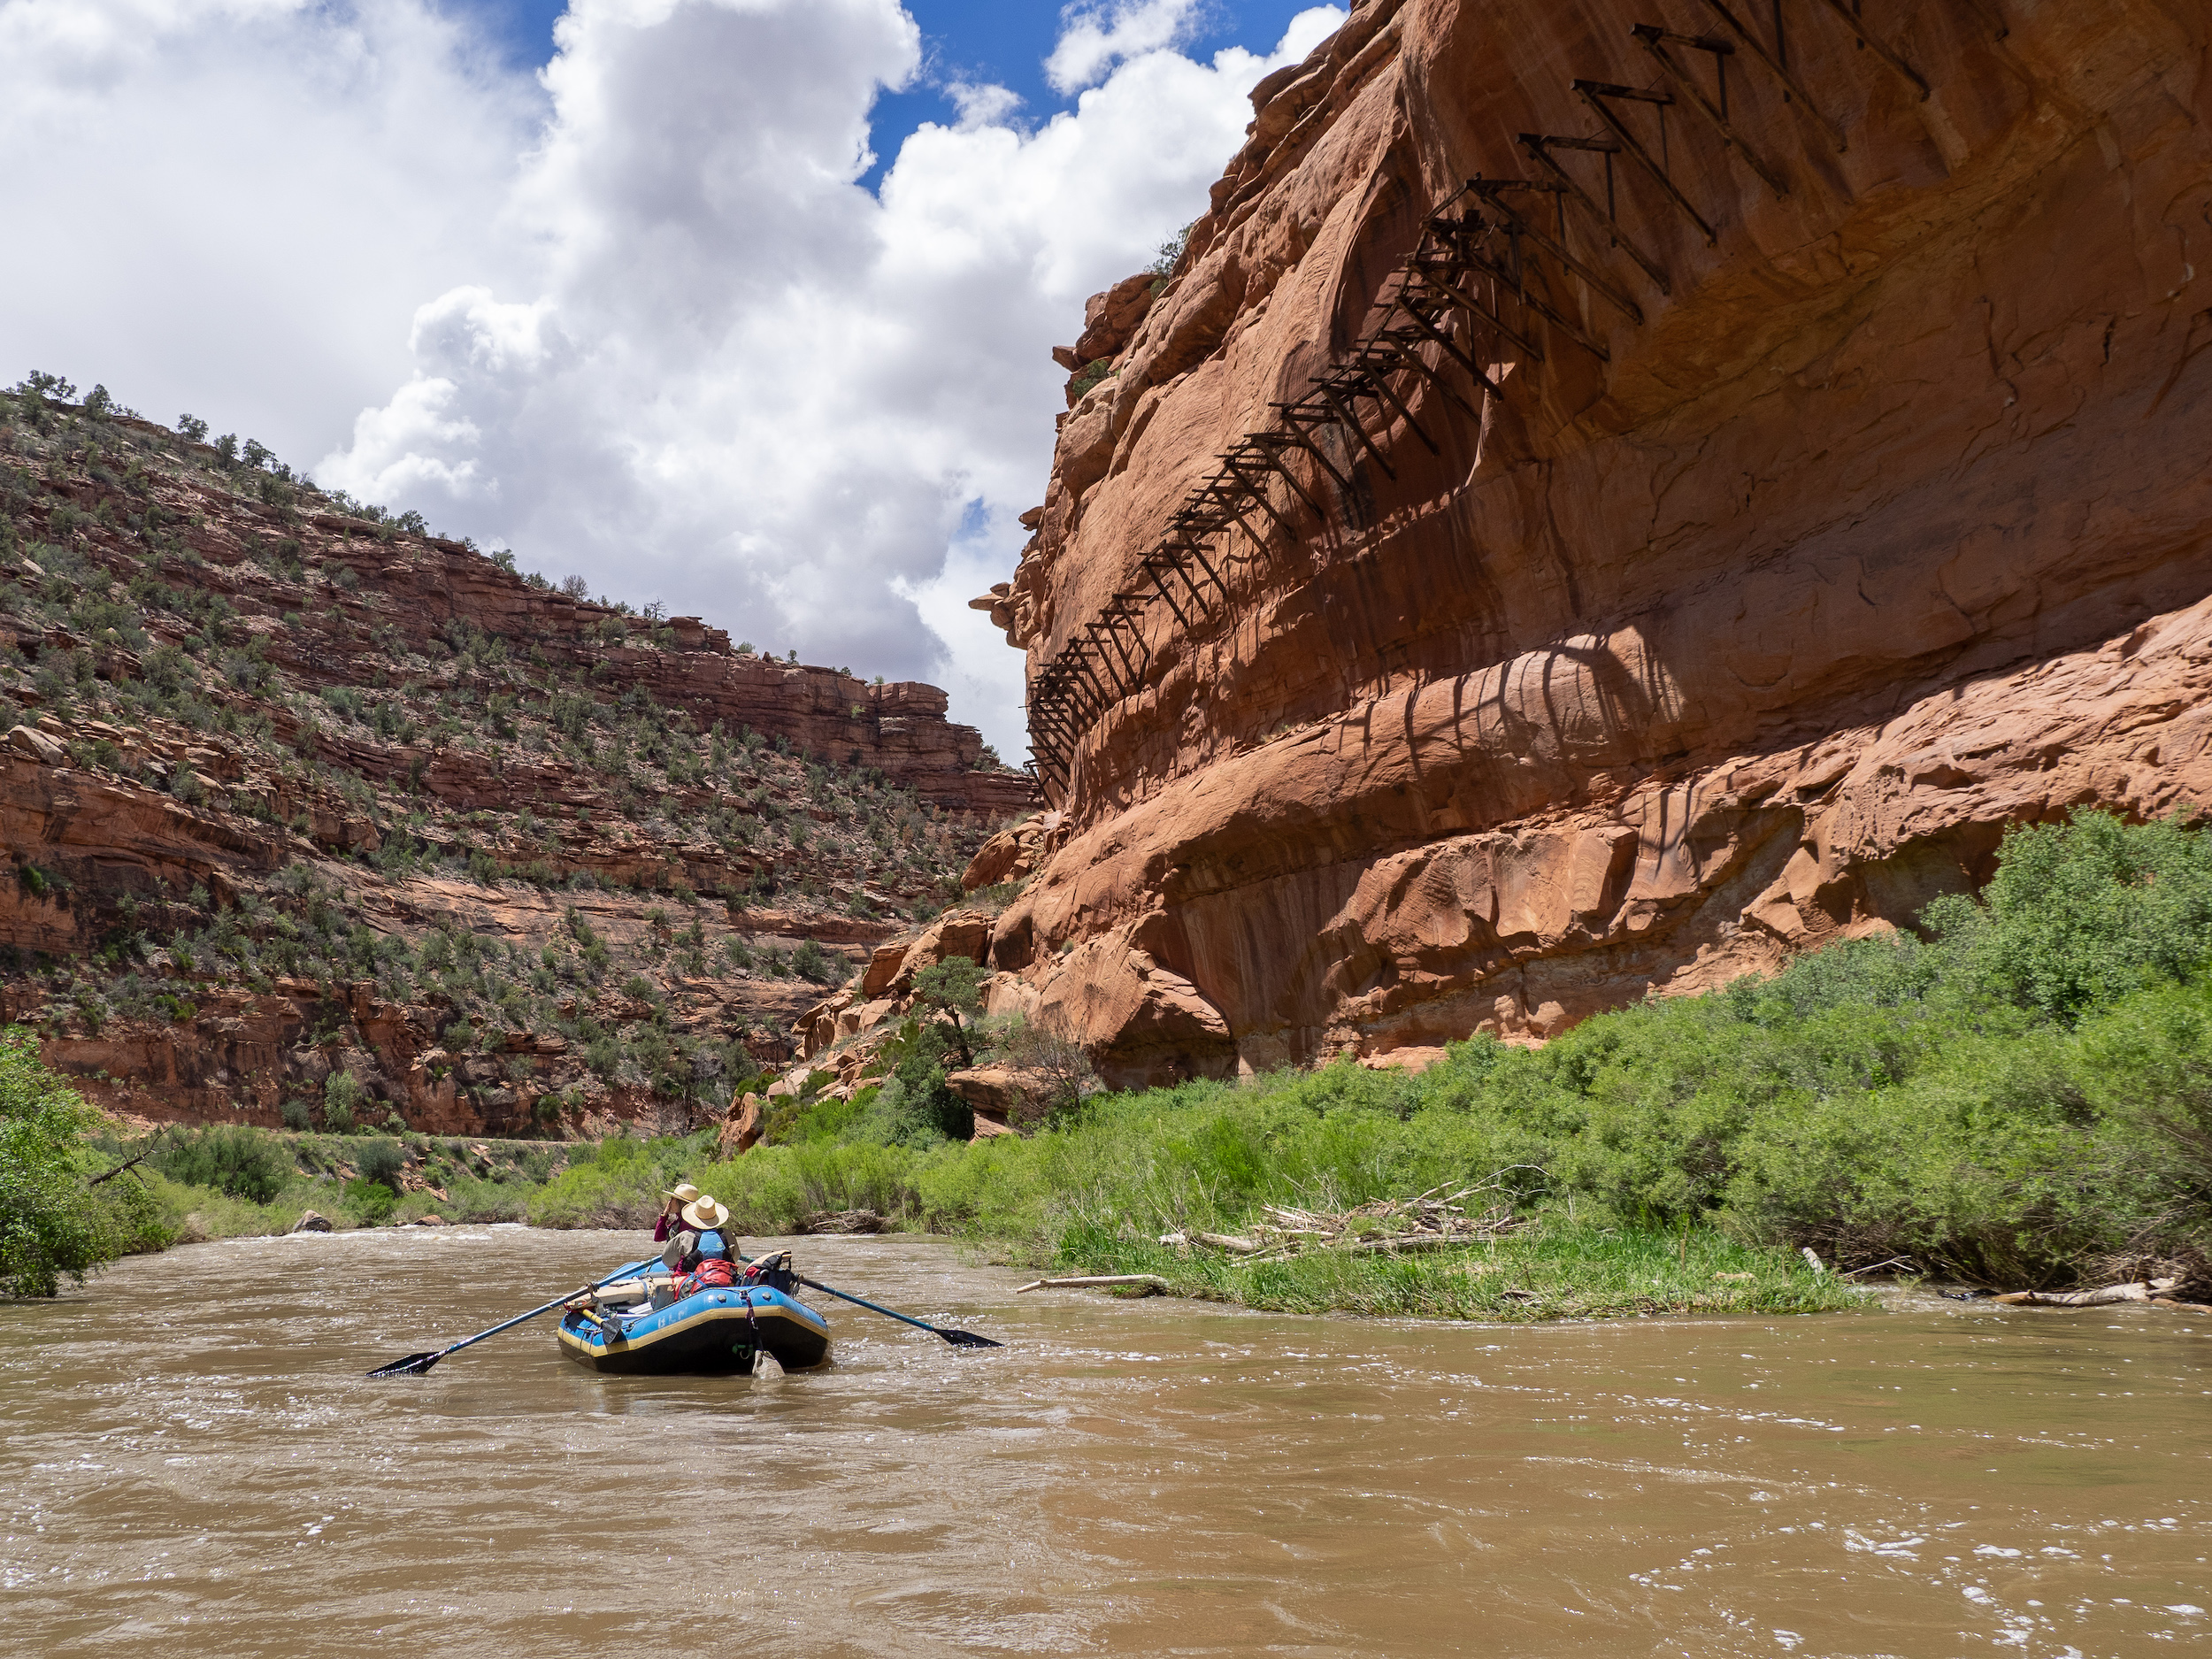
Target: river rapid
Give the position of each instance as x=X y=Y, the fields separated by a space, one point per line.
x=195 y=1464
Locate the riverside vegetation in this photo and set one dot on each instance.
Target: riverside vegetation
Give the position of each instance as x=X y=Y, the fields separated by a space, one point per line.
x=2020 y=1097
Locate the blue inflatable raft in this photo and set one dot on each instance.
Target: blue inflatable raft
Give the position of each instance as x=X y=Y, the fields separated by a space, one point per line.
x=719 y=1331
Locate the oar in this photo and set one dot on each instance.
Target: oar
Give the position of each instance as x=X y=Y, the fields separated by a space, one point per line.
x=415 y=1364
x=958 y=1339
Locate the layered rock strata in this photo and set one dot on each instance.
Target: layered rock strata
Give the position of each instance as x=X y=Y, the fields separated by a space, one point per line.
x=293 y=790
x=1726 y=586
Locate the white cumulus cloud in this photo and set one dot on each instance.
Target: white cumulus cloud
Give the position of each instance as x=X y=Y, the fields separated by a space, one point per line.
x=1095 y=38
x=635 y=317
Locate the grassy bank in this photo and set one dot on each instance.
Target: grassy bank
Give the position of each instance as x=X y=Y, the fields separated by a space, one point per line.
x=1553 y=1268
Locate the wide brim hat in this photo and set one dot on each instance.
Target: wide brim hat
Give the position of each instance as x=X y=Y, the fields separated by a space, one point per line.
x=683 y=1191
x=703 y=1215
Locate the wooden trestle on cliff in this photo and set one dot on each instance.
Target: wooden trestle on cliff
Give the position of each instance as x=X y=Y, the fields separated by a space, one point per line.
x=1499 y=256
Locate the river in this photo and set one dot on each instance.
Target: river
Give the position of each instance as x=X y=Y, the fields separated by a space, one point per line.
x=195 y=1464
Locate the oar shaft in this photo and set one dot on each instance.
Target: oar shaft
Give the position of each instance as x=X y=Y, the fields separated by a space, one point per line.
x=815 y=1284
x=958 y=1338
x=524 y=1318
x=888 y=1313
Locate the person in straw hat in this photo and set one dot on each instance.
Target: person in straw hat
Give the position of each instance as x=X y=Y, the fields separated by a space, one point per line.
x=701 y=1238
x=672 y=1211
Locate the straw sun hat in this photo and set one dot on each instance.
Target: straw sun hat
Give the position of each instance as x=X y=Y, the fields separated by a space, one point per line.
x=683 y=1193
x=705 y=1216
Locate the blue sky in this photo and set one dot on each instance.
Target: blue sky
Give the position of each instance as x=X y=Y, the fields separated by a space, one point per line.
x=1002 y=43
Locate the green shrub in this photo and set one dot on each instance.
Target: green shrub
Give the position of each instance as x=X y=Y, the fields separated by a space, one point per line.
x=381 y=1161
x=54 y=1224
x=341 y=1099
x=809 y=961
x=370 y=1203
x=235 y=1160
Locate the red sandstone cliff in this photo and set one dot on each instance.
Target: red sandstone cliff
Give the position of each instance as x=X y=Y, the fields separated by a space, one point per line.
x=1723 y=577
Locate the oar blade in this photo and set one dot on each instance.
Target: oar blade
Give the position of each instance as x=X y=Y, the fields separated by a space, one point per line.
x=414 y=1365
x=965 y=1339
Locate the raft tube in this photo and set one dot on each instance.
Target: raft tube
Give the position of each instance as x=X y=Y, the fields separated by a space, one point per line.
x=717 y=1332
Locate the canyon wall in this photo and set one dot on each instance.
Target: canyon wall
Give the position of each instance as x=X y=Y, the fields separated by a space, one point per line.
x=1803 y=477
x=290 y=789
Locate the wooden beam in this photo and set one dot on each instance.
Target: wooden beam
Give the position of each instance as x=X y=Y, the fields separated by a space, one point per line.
x=1268 y=444
x=1475 y=307
x=1165 y=551
x=1772 y=63
x=1097 y=630
x=1403 y=354
x=1543 y=307
x=1152 y=569
x=1381 y=384
x=1540 y=145
x=1351 y=418
x=1196 y=549
x=1594 y=93
x=1297 y=434
x=1655 y=41
x=1258 y=493
x=1444 y=339
x=1127 y=612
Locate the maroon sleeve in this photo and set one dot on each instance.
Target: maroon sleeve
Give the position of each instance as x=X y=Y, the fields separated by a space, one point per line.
x=660 y=1230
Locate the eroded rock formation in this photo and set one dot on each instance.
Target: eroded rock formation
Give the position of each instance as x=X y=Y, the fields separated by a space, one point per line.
x=1767 y=579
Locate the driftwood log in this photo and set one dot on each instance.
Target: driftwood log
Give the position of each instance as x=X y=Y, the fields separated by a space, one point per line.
x=1385 y=1226
x=1088 y=1280
x=2152 y=1292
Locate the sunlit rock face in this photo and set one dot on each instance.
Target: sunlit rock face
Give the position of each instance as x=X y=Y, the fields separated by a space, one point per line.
x=1745 y=616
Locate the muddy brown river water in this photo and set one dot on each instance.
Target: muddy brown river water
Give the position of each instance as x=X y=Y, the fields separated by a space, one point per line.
x=194 y=1464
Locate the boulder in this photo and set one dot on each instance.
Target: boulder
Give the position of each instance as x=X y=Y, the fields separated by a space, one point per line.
x=311 y=1222
x=1001 y=1090
x=1109 y=319
x=35 y=745
x=741 y=1129
x=1011 y=854
x=843 y=1221
x=882 y=970
x=958 y=933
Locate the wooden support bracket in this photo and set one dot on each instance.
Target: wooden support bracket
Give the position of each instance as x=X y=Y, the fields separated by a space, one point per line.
x=1399 y=346
x=1540 y=145
x=1377 y=381
x=1350 y=419
x=1655 y=41
x=1427 y=326
x=1151 y=568
x=1773 y=64
x=1596 y=94
x=1270 y=446
x=1474 y=307
x=1535 y=302
x=1257 y=492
